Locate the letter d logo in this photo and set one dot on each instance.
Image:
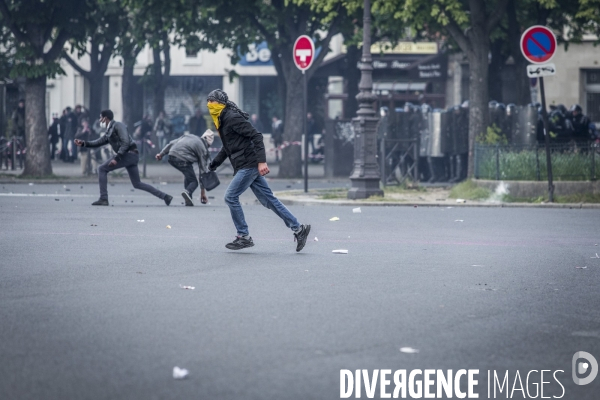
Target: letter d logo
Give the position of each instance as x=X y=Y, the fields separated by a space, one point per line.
x=583 y=367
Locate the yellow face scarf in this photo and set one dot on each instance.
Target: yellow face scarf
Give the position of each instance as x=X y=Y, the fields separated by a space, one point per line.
x=215 y=110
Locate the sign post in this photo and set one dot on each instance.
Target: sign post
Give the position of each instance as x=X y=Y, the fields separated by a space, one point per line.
x=538 y=45
x=304 y=55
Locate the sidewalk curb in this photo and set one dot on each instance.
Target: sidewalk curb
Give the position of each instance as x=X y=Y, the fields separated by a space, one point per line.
x=294 y=201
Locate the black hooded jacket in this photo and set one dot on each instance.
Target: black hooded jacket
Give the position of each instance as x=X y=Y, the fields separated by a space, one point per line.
x=118 y=138
x=241 y=142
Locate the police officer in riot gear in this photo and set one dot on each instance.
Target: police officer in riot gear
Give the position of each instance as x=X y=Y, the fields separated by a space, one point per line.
x=580 y=123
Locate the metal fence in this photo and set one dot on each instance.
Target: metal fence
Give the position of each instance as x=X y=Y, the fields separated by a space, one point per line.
x=570 y=162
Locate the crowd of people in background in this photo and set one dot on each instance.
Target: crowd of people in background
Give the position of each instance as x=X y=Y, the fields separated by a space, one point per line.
x=76 y=123
x=566 y=125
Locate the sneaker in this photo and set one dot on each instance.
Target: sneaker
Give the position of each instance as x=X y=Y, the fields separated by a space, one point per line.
x=240 y=243
x=168 y=199
x=188 y=199
x=301 y=236
x=100 y=202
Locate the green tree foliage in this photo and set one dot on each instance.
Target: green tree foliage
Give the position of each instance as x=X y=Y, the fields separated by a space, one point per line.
x=39 y=30
x=236 y=24
x=104 y=24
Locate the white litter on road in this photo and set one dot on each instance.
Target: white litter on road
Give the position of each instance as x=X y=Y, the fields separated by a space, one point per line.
x=316 y=239
x=459 y=220
x=186 y=287
x=180 y=373
x=168 y=226
x=581 y=267
x=334 y=219
x=341 y=251
x=408 y=350
x=461 y=201
x=163 y=183
x=30 y=184
x=596 y=256
x=140 y=220
x=356 y=210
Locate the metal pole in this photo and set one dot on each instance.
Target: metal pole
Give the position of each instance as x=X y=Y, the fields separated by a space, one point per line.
x=305 y=134
x=14 y=153
x=497 y=162
x=383 y=160
x=593 y=151
x=547 y=140
x=144 y=156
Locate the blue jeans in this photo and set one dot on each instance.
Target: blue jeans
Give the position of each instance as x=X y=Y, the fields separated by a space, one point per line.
x=251 y=178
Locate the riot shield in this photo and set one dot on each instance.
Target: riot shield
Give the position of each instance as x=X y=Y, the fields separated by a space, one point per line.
x=512 y=123
x=438 y=123
x=527 y=122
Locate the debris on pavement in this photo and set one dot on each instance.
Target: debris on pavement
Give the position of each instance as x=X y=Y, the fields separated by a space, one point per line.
x=140 y=220
x=408 y=350
x=57 y=199
x=163 y=183
x=462 y=201
x=93 y=225
x=30 y=183
x=187 y=287
x=459 y=220
x=316 y=239
x=596 y=256
x=168 y=226
x=356 y=210
x=581 y=267
x=334 y=219
x=340 y=251
x=180 y=373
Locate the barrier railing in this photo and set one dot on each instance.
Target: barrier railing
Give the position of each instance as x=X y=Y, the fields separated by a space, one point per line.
x=570 y=161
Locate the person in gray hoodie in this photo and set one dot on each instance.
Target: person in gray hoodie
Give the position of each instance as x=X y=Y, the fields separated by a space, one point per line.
x=183 y=153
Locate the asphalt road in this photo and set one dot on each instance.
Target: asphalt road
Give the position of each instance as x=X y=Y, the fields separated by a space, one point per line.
x=91 y=308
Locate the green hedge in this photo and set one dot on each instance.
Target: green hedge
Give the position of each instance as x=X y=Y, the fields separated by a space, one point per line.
x=567 y=165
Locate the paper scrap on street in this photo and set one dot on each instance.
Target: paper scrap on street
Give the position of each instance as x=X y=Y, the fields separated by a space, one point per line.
x=581 y=267
x=334 y=219
x=180 y=373
x=408 y=350
x=316 y=239
x=140 y=220
x=187 y=287
x=341 y=251
x=168 y=226
x=461 y=201
x=356 y=210
x=459 y=220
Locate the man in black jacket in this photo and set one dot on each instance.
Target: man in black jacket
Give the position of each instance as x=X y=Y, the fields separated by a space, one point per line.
x=127 y=157
x=245 y=148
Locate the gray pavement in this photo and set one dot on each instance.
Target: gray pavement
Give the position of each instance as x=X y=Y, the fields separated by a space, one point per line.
x=91 y=308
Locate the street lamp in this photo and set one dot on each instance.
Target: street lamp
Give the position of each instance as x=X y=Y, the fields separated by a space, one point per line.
x=365 y=177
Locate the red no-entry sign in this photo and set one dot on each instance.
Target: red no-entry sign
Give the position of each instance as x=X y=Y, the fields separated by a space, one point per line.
x=304 y=52
x=538 y=44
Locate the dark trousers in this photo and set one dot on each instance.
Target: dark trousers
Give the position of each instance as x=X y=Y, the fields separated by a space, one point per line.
x=187 y=169
x=130 y=162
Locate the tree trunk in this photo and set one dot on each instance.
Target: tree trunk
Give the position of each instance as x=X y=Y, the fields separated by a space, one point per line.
x=291 y=160
x=495 y=72
x=127 y=90
x=37 y=161
x=352 y=79
x=522 y=85
x=478 y=94
x=96 y=82
x=159 y=89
